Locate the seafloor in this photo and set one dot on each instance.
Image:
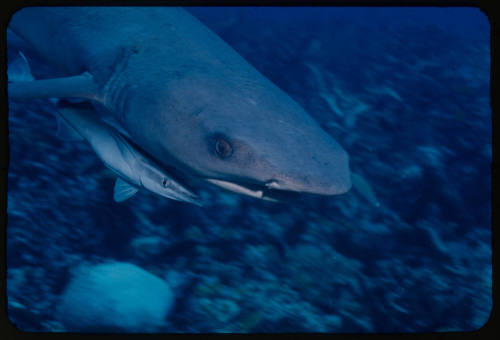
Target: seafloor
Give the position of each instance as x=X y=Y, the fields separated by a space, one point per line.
x=405 y=92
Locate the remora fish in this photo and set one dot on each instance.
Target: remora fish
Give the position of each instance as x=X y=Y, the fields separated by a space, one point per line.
x=134 y=169
x=184 y=96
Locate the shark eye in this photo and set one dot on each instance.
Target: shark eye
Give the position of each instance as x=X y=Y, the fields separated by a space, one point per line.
x=223 y=148
x=164 y=182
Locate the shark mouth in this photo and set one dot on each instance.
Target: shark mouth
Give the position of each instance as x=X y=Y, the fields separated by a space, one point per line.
x=269 y=191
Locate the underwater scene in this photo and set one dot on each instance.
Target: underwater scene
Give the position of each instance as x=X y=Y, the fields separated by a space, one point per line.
x=367 y=211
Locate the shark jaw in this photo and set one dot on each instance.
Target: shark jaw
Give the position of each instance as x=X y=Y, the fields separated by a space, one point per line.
x=258 y=192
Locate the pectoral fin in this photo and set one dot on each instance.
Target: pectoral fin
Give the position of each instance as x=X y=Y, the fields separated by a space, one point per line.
x=123 y=190
x=81 y=86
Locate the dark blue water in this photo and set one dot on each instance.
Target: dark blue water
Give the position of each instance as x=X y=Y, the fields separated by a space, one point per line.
x=407 y=249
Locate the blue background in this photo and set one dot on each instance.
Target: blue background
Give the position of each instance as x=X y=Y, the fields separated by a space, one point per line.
x=404 y=90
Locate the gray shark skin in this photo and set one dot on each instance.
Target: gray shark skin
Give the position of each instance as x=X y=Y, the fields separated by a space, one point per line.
x=184 y=96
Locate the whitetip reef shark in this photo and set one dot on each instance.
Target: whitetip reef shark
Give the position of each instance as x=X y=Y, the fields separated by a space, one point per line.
x=184 y=96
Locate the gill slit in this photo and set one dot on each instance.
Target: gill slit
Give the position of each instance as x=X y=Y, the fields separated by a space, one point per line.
x=116 y=91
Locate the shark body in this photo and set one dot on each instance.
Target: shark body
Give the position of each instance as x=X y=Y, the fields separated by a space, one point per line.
x=184 y=96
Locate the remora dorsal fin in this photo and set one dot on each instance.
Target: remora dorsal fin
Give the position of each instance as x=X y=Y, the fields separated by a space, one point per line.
x=123 y=190
x=81 y=86
x=66 y=132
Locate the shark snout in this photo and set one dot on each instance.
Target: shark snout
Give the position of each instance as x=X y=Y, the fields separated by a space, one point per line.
x=325 y=177
x=320 y=186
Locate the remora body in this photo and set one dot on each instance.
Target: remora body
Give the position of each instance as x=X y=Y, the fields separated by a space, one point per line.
x=184 y=96
x=134 y=169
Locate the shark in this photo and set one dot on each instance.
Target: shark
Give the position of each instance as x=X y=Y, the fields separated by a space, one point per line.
x=184 y=96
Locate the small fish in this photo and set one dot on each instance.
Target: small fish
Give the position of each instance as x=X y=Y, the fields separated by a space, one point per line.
x=133 y=167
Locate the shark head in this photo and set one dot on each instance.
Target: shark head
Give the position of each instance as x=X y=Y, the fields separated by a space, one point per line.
x=252 y=142
x=298 y=159
x=286 y=155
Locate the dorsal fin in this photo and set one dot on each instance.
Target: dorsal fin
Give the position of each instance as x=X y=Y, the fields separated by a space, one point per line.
x=19 y=69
